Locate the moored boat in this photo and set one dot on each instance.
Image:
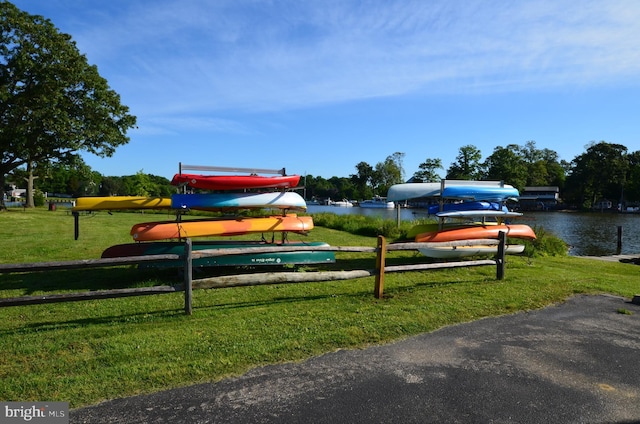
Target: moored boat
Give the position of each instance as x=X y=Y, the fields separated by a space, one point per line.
x=377 y=202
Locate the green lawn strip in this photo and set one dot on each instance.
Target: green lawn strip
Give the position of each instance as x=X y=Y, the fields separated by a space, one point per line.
x=85 y=352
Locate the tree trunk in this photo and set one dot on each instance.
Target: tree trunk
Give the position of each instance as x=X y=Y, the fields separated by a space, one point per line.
x=30 y=203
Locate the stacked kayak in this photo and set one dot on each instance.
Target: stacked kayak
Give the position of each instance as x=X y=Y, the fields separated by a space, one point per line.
x=467 y=211
x=230 y=194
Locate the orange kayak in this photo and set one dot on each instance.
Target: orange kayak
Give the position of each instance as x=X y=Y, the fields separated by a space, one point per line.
x=164 y=230
x=477 y=232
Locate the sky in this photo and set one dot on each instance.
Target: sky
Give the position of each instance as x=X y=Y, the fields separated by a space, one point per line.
x=318 y=86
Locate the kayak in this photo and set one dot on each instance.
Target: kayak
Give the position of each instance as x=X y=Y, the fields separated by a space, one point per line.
x=120 y=203
x=478 y=232
x=245 y=259
x=165 y=230
x=225 y=201
x=235 y=182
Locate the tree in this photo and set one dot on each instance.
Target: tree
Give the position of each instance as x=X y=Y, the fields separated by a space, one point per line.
x=362 y=180
x=505 y=164
x=467 y=165
x=388 y=173
x=599 y=173
x=52 y=102
x=427 y=171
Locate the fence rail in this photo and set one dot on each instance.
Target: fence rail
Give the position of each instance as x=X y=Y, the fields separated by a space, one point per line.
x=251 y=279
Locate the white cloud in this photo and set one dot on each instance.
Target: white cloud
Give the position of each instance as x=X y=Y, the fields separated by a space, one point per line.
x=256 y=55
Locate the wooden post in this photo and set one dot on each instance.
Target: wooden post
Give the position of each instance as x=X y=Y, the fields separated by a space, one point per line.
x=76 y=224
x=502 y=236
x=619 y=248
x=188 y=276
x=380 y=261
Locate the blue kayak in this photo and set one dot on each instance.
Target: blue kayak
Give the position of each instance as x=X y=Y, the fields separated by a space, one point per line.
x=222 y=201
x=468 y=206
x=480 y=192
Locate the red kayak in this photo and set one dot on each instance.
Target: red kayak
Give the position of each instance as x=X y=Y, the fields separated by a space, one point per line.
x=235 y=182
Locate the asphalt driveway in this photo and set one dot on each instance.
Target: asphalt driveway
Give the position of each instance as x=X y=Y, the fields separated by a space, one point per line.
x=576 y=362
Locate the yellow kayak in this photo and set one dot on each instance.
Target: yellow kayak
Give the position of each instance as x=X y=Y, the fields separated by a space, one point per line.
x=120 y=203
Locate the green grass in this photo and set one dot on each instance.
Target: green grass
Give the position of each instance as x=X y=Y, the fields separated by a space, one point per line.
x=85 y=352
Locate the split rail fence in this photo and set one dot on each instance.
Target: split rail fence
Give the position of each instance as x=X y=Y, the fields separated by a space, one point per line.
x=251 y=279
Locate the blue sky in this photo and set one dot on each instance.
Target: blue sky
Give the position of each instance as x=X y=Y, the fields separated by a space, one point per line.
x=318 y=86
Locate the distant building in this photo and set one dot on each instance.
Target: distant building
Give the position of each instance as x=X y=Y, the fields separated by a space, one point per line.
x=539 y=198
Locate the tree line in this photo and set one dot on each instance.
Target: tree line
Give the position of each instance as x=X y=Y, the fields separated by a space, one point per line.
x=604 y=171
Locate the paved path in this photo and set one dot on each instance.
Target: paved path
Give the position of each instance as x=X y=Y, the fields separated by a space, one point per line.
x=577 y=362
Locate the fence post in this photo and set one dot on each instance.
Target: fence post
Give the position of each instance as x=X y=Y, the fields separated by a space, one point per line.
x=502 y=236
x=188 y=276
x=380 y=261
x=619 y=248
x=76 y=224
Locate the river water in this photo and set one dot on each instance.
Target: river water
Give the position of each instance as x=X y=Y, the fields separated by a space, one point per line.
x=588 y=234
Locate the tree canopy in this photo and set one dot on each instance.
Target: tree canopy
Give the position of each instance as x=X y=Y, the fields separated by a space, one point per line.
x=52 y=102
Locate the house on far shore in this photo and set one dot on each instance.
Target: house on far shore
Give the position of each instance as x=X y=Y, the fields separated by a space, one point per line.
x=539 y=198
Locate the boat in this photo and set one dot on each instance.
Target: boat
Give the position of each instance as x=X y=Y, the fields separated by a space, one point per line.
x=344 y=203
x=245 y=259
x=235 y=182
x=480 y=192
x=453 y=252
x=120 y=203
x=377 y=202
x=226 y=201
x=165 y=230
x=405 y=191
x=477 y=232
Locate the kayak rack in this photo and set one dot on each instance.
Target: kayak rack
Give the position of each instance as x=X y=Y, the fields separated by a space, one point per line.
x=182 y=167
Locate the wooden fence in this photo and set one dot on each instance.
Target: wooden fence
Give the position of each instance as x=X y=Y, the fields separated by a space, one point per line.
x=252 y=279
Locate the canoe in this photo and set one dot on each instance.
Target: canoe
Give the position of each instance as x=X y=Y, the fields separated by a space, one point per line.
x=121 y=203
x=467 y=206
x=453 y=252
x=248 y=259
x=477 y=232
x=399 y=192
x=235 y=182
x=165 y=230
x=405 y=191
x=225 y=201
x=477 y=192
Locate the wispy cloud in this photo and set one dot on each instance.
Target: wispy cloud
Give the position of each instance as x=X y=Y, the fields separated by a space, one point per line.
x=253 y=55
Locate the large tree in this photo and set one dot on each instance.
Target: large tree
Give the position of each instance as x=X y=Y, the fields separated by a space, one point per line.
x=467 y=165
x=52 y=102
x=599 y=173
x=427 y=172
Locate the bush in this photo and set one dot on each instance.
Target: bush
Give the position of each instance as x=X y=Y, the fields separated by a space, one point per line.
x=546 y=244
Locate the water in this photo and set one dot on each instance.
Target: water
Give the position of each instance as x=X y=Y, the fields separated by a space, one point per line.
x=588 y=234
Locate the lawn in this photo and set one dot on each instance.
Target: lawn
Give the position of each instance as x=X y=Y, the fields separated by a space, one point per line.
x=86 y=352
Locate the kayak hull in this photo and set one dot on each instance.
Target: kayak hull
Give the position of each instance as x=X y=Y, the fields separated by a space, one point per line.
x=165 y=230
x=248 y=259
x=235 y=182
x=478 y=232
